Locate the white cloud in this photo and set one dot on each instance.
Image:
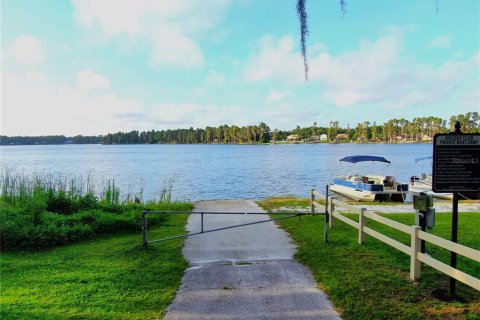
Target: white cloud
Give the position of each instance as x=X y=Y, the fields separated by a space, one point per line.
x=172 y=46
x=26 y=50
x=287 y=115
x=375 y=73
x=88 y=80
x=214 y=78
x=185 y=115
x=440 y=42
x=277 y=59
x=35 y=76
x=275 y=96
x=171 y=30
x=470 y=99
x=199 y=91
x=42 y=108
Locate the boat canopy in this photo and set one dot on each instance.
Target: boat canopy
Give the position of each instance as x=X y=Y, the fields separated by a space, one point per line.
x=360 y=158
x=423 y=158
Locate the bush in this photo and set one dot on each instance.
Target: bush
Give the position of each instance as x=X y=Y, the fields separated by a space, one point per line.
x=42 y=210
x=114 y=208
x=58 y=202
x=21 y=230
x=88 y=202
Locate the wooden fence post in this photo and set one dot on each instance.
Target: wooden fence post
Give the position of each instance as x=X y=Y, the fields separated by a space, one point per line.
x=416 y=246
x=361 y=224
x=312 y=198
x=331 y=222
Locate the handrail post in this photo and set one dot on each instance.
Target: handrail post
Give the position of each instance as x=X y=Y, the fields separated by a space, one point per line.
x=361 y=224
x=144 y=229
x=202 y=221
x=312 y=198
x=416 y=246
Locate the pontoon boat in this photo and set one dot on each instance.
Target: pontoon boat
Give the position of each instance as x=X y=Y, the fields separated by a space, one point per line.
x=369 y=187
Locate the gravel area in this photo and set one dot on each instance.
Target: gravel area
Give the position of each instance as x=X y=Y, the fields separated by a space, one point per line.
x=396 y=208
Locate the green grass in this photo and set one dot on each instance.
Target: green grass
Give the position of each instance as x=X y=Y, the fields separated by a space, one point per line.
x=372 y=281
x=285 y=203
x=109 y=277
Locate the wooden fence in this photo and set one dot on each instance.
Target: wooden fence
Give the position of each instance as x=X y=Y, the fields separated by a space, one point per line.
x=416 y=235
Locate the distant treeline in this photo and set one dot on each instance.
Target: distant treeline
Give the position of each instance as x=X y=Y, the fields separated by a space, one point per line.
x=4 y=140
x=392 y=131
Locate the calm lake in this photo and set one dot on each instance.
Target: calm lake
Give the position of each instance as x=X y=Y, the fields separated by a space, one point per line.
x=215 y=171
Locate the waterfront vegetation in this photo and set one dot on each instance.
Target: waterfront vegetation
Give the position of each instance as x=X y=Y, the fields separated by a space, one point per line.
x=372 y=281
x=95 y=266
x=39 y=211
x=109 y=277
x=420 y=129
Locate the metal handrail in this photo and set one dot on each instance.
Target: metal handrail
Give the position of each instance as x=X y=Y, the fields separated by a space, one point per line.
x=145 y=213
x=221 y=212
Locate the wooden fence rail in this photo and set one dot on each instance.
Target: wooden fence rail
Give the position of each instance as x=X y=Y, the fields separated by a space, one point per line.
x=416 y=237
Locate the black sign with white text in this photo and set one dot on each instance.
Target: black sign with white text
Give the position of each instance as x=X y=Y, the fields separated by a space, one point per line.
x=456 y=162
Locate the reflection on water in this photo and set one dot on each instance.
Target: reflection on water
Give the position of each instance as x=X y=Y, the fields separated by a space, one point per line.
x=214 y=171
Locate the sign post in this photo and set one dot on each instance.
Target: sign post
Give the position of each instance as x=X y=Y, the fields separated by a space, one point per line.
x=325 y=229
x=456 y=168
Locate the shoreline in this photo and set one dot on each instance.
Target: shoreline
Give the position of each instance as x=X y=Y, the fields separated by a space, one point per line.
x=220 y=144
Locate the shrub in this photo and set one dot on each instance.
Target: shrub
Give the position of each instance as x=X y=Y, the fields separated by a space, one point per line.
x=20 y=231
x=43 y=211
x=58 y=202
x=114 y=208
x=88 y=202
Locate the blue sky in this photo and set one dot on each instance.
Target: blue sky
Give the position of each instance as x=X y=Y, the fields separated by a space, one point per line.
x=93 y=67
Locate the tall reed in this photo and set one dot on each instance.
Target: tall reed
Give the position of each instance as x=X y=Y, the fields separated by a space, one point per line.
x=111 y=193
x=19 y=188
x=166 y=191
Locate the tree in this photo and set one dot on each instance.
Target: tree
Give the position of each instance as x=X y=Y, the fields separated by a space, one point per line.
x=274 y=135
x=374 y=131
x=332 y=130
x=264 y=132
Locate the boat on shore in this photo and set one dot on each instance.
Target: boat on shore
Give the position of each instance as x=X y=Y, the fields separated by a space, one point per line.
x=424 y=184
x=368 y=187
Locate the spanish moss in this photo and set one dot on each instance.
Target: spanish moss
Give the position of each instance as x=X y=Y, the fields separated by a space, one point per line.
x=343 y=6
x=302 y=14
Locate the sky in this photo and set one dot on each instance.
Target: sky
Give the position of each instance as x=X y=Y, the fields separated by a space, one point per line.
x=92 y=67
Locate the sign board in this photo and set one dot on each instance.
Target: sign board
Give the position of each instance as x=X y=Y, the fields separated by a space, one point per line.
x=456 y=162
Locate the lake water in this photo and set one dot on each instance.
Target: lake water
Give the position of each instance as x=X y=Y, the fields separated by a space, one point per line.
x=215 y=171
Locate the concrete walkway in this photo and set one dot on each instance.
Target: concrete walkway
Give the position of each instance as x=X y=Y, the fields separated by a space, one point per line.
x=244 y=273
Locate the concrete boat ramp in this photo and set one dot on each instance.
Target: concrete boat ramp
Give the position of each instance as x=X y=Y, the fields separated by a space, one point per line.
x=244 y=273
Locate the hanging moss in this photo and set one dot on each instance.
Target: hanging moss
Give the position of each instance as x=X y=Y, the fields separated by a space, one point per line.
x=343 y=6
x=302 y=15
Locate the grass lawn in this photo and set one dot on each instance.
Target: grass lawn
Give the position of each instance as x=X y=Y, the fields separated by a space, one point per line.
x=108 y=277
x=372 y=281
